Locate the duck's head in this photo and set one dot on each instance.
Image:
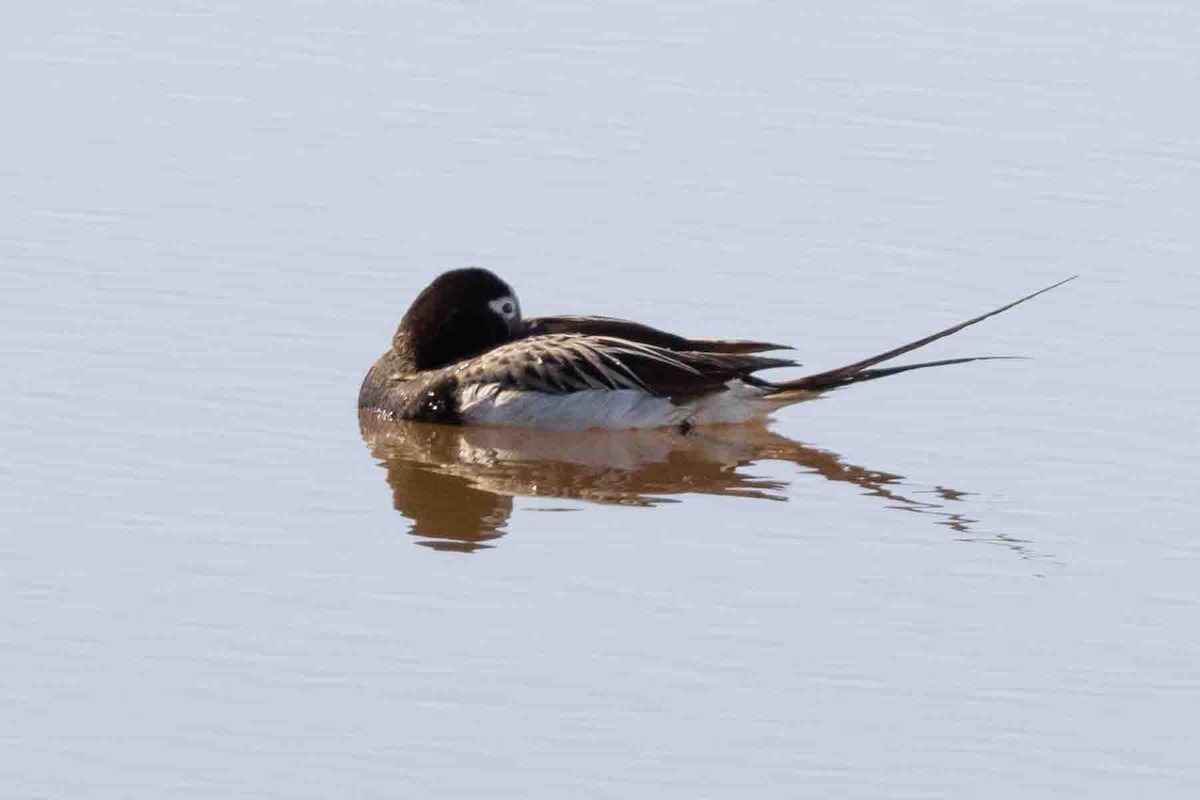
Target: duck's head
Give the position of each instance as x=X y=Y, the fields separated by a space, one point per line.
x=461 y=314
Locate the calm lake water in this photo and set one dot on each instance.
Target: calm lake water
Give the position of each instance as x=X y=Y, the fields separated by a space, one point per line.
x=979 y=581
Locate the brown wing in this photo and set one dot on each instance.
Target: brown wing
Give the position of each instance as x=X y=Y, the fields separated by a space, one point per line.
x=636 y=332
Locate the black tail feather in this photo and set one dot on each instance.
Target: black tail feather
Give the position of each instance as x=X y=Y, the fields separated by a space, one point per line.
x=859 y=371
x=872 y=374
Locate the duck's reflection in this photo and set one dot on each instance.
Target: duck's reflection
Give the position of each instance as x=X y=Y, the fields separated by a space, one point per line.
x=457 y=484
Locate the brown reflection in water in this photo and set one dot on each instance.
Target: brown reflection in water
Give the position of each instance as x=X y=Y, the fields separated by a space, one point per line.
x=457 y=484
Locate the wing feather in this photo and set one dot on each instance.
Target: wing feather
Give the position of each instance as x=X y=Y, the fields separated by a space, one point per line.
x=637 y=332
x=566 y=363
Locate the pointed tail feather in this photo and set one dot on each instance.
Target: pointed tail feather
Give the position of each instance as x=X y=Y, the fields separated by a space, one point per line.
x=860 y=370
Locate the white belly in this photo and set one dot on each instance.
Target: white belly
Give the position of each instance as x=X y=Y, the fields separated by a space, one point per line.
x=491 y=404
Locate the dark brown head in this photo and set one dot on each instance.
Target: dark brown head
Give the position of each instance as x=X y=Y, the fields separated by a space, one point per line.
x=461 y=314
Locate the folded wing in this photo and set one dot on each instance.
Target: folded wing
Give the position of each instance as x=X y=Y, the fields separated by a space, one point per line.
x=642 y=334
x=565 y=363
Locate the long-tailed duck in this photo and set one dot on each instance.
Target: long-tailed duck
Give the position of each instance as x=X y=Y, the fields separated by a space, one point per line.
x=464 y=355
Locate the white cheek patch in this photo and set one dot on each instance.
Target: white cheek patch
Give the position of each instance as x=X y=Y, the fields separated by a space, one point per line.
x=501 y=303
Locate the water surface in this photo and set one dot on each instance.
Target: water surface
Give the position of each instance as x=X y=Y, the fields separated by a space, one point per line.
x=977 y=581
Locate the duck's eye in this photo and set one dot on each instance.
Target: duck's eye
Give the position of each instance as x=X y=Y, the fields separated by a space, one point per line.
x=505 y=307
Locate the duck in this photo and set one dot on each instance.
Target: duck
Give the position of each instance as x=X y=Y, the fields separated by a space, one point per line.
x=463 y=354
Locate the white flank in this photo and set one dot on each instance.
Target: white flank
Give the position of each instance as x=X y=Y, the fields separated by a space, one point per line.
x=740 y=402
x=491 y=404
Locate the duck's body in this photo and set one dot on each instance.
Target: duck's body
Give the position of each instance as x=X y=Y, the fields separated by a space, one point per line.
x=463 y=355
x=575 y=381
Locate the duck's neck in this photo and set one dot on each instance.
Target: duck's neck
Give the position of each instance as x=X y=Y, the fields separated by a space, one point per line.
x=457 y=335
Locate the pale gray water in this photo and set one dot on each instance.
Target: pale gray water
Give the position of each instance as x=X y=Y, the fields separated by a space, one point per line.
x=213 y=216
